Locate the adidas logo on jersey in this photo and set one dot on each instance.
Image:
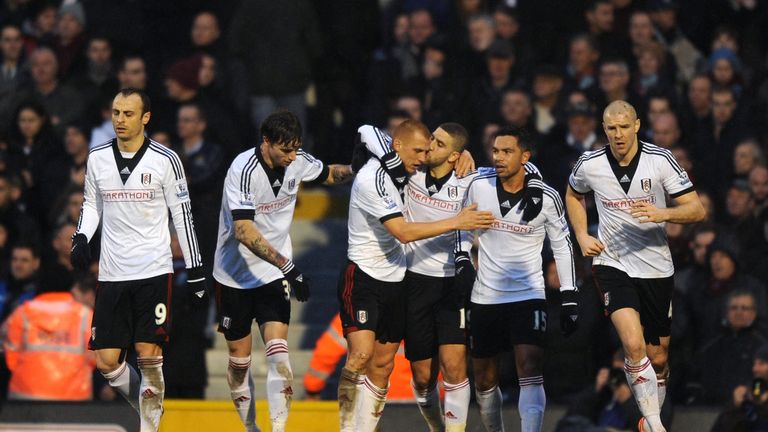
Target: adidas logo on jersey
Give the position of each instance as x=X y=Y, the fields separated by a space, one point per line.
x=125 y=171
x=625 y=179
x=506 y=204
x=536 y=200
x=276 y=183
x=433 y=189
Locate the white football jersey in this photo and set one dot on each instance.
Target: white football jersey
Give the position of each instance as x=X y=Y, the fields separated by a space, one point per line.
x=640 y=250
x=374 y=200
x=131 y=198
x=509 y=255
x=252 y=190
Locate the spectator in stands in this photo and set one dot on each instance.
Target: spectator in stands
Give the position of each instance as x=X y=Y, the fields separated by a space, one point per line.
x=758 y=183
x=516 y=110
x=57 y=273
x=76 y=139
x=547 y=108
x=665 y=131
x=698 y=104
x=40 y=29
x=600 y=25
x=436 y=86
x=614 y=83
x=726 y=362
x=486 y=94
x=98 y=77
x=46 y=348
x=133 y=72
x=508 y=28
x=641 y=35
x=23 y=283
x=581 y=70
x=14 y=217
x=104 y=131
x=746 y=156
x=706 y=295
x=739 y=217
x=37 y=155
x=13 y=64
x=749 y=408
x=725 y=70
x=262 y=28
x=481 y=34
x=205 y=35
x=70 y=40
x=650 y=71
x=664 y=16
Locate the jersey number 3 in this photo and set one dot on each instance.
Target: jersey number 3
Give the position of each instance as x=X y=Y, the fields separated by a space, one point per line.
x=287 y=290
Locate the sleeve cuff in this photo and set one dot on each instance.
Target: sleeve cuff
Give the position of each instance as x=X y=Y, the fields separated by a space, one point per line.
x=682 y=192
x=390 y=216
x=321 y=178
x=243 y=214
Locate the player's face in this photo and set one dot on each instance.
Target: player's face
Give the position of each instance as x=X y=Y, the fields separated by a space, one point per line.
x=282 y=155
x=413 y=151
x=127 y=117
x=621 y=130
x=508 y=158
x=441 y=149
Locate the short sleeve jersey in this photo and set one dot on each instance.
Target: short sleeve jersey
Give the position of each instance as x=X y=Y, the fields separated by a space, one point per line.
x=254 y=190
x=640 y=250
x=374 y=200
x=509 y=255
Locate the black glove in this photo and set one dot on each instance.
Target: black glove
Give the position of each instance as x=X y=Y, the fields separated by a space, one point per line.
x=80 y=254
x=360 y=154
x=464 y=279
x=299 y=283
x=196 y=285
x=394 y=166
x=569 y=311
x=532 y=200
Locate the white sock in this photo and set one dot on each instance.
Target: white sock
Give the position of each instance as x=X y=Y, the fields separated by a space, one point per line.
x=661 y=381
x=350 y=388
x=241 y=390
x=279 y=383
x=531 y=403
x=642 y=380
x=490 y=409
x=151 y=393
x=456 y=405
x=125 y=380
x=370 y=407
x=429 y=406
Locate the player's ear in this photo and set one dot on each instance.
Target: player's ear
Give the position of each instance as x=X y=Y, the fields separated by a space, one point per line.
x=454 y=156
x=397 y=144
x=145 y=118
x=637 y=125
x=526 y=157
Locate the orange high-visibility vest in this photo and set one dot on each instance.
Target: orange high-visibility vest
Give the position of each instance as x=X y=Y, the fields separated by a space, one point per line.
x=332 y=346
x=46 y=348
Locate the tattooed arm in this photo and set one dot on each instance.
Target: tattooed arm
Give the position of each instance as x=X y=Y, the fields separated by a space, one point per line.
x=247 y=234
x=338 y=174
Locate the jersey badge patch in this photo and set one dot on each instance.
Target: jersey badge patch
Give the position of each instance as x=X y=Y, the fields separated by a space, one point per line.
x=291 y=183
x=246 y=199
x=146 y=179
x=646 y=184
x=362 y=316
x=181 y=191
x=453 y=192
x=226 y=322
x=389 y=203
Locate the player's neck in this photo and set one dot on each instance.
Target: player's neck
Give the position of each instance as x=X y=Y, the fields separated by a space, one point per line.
x=132 y=145
x=265 y=156
x=627 y=158
x=514 y=183
x=441 y=170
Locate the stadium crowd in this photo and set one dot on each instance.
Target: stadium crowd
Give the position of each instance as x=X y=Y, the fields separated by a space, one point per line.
x=696 y=71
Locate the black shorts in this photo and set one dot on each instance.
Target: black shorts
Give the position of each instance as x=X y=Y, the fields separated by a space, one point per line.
x=652 y=298
x=238 y=307
x=370 y=304
x=433 y=316
x=132 y=311
x=497 y=328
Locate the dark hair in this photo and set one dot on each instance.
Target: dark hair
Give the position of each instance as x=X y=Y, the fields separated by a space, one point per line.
x=282 y=128
x=592 y=5
x=524 y=139
x=146 y=105
x=458 y=133
x=25 y=244
x=46 y=129
x=86 y=283
x=398 y=113
x=197 y=107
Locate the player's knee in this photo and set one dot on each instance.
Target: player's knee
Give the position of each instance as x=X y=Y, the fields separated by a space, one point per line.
x=358 y=360
x=454 y=370
x=634 y=350
x=659 y=361
x=485 y=382
x=383 y=366
x=106 y=365
x=421 y=381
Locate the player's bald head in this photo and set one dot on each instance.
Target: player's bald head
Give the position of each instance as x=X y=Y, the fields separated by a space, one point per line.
x=409 y=129
x=619 y=108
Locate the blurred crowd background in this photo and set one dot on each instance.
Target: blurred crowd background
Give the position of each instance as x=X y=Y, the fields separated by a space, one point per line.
x=694 y=69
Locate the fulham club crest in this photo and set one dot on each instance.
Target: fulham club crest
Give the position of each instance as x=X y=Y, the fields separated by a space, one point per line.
x=146 y=179
x=362 y=316
x=646 y=184
x=453 y=192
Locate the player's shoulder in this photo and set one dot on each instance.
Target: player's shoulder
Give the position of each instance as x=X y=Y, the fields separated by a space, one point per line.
x=552 y=196
x=244 y=160
x=590 y=155
x=164 y=152
x=99 y=149
x=655 y=152
x=484 y=178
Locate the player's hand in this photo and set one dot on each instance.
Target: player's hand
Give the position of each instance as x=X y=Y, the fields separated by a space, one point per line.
x=569 y=311
x=532 y=200
x=464 y=165
x=299 y=283
x=80 y=254
x=196 y=286
x=590 y=246
x=394 y=166
x=469 y=218
x=360 y=154
x=646 y=212
x=464 y=278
